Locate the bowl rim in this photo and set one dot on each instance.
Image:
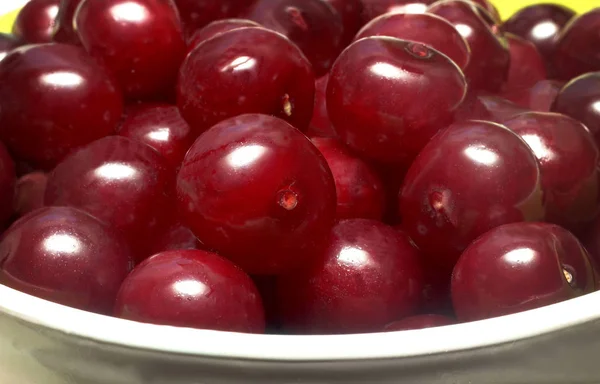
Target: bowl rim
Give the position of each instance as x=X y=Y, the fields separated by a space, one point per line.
x=76 y=323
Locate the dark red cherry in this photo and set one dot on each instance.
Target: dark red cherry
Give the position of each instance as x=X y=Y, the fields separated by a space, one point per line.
x=63 y=27
x=368 y=276
x=216 y=27
x=568 y=158
x=246 y=70
x=526 y=65
x=577 y=46
x=470 y=178
x=485 y=106
x=64 y=255
x=539 y=98
x=7 y=185
x=256 y=190
x=140 y=41
x=360 y=191
x=490 y=57
x=540 y=24
x=313 y=25
x=374 y=8
x=351 y=12
x=54 y=98
x=375 y=70
x=196 y=14
x=191 y=288
x=419 y=322
x=7 y=44
x=519 y=266
x=423 y=28
x=174 y=237
x=320 y=125
x=29 y=193
x=122 y=182
x=580 y=99
x=162 y=128
x=35 y=22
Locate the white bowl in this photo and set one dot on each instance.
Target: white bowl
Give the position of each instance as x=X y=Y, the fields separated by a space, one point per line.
x=46 y=343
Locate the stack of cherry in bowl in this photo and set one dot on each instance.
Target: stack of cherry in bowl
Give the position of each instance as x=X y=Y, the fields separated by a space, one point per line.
x=300 y=166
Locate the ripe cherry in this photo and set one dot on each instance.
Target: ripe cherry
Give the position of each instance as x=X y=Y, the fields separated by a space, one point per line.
x=140 y=41
x=444 y=209
x=216 y=27
x=368 y=276
x=246 y=70
x=63 y=27
x=257 y=191
x=419 y=322
x=29 y=193
x=375 y=70
x=35 y=22
x=54 y=98
x=191 y=288
x=519 y=266
x=526 y=65
x=64 y=255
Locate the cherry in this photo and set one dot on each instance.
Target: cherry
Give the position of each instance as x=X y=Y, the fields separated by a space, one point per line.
x=419 y=322
x=485 y=106
x=313 y=25
x=374 y=8
x=175 y=237
x=360 y=191
x=540 y=24
x=124 y=183
x=140 y=41
x=519 y=266
x=161 y=127
x=63 y=27
x=198 y=13
x=540 y=97
x=577 y=46
x=256 y=190
x=490 y=58
x=526 y=65
x=246 y=70
x=29 y=193
x=7 y=44
x=368 y=276
x=320 y=125
x=54 y=98
x=7 y=185
x=423 y=28
x=216 y=27
x=351 y=12
x=35 y=22
x=191 y=288
x=64 y=255
x=470 y=178
x=580 y=99
x=375 y=70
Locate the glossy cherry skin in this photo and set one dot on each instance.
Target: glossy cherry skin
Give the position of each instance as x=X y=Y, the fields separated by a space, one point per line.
x=160 y=127
x=360 y=191
x=368 y=276
x=140 y=41
x=580 y=99
x=423 y=28
x=577 y=46
x=191 y=288
x=35 y=22
x=7 y=185
x=499 y=182
x=485 y=106
x=196 y=14
x=54 y=98
x=526 y=64
x=63 y=27
x=29 y=193
x=320 y=125
x=419 y=322
x=490 y=58
x=174 y=237
x=374 y=8
x=540 y=24
x=313 y=25
x=519 y=266
x=64 y=255
x=351 y=12
x=216 y=27
x=375 y=70
x=256 y=190
x=7 y=43
x=539 y=97
x=568 y=158
x=122 y=182
x=246 y=70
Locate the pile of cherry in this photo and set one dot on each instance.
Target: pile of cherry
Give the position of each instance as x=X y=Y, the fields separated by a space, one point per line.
x=300 y=166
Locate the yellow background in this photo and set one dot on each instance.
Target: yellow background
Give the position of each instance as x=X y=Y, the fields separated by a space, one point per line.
x=506 y=7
